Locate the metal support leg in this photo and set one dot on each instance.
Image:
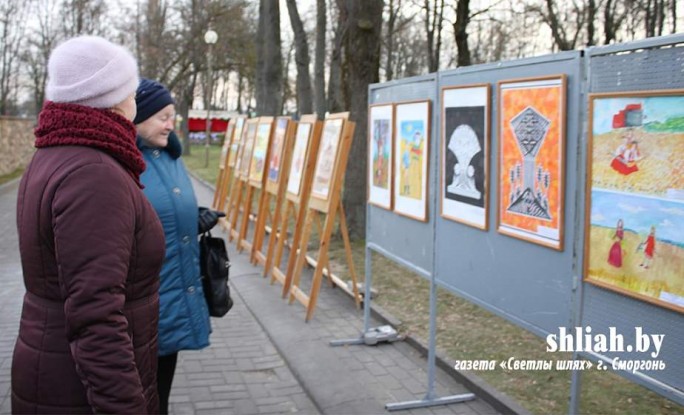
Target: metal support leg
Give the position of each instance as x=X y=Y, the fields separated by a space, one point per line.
x=430 y=397
x=366 y=307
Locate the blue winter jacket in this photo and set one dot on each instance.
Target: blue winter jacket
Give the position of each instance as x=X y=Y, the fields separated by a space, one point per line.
x=183 y=314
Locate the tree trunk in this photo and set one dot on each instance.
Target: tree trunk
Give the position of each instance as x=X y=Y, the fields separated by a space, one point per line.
x=591 y=27
x=364 y=25
x=429 y=34
x=287 y=91
x=461 y=33
x=184 y=104
x=269 y=82
x=434 y=18
x=661 y=16
x=304 y=98
x=557 y=30
x=12 y=27
x=389 y=36
x=240 y=89
x=609 y=21
x=439 y=23
x=319 y=64
x=336 y=101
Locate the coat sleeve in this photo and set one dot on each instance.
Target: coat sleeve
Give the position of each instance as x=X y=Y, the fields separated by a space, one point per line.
x=94 y=228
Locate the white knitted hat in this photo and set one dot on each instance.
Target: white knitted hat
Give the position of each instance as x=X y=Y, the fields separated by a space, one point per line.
x=91 y=71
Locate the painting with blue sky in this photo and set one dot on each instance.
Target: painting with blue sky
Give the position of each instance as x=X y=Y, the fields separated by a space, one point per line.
x=635 y=233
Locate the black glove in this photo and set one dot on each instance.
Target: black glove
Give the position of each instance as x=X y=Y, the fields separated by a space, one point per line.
x=207 y=219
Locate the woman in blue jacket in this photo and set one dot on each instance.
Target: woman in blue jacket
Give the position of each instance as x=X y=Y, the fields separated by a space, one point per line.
x=184 y=317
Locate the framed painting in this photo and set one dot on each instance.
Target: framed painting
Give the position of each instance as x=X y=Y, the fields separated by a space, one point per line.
x=634 y=228
x=327 y=158
x=380 y=133
x=228 y=137
x=235 y=142
x=277 y=147
x=260 y=151
x=299 y=157
x=465 y=154
x=411 y=155
x=531 y=159
x=247 y=142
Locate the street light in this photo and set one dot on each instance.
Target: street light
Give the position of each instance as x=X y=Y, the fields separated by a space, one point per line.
x=209 y=38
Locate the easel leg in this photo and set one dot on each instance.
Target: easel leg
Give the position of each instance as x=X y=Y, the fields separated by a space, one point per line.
x=350 y=257
x=280 y=246
x=219 y=189
x=236 y=212
x=283 y=234
x=260 y=226
x=294 y=250
x=293 y=278
x=245 y=217
x=322 y=260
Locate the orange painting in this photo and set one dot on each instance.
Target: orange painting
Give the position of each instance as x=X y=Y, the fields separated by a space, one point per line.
x=531 y=153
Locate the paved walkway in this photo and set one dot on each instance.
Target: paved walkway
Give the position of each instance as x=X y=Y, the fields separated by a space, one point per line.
x=263 y=358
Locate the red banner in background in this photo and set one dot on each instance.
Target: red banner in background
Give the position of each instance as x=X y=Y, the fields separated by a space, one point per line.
x=200 y=124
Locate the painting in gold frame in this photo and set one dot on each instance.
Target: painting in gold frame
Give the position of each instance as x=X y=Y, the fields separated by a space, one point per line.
x=380 y=143
x=327 y=157
x=299 y=154
x=411 y=156
x=235 y=142
x=260 y=151
x=634 y=227
x=531 y=159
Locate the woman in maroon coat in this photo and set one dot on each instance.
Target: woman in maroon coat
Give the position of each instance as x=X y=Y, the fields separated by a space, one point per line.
x=91 y=245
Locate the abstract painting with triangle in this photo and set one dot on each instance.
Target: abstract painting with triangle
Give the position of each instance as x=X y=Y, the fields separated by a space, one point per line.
x=531 y=160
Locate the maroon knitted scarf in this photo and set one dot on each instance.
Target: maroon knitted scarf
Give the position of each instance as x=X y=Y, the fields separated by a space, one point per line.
x=61 y=124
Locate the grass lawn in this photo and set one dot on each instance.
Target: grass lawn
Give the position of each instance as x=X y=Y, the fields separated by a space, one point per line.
x=467 y=331
x=197 y=158
x=10 y=176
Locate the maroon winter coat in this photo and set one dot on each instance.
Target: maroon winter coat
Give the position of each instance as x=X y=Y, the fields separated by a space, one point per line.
x=91 y=249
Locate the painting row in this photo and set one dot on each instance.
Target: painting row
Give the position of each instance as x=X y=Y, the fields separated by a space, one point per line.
x=258 y=145
x=634 y=198
x=531 y=130
x=293 y=172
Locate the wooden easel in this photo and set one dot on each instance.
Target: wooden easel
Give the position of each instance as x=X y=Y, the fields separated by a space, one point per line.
x=325 y=199
x=275 y=183
x=222 y=164
x=241 y=172
x=255 y=178
x=226 y=168
x=297 y=186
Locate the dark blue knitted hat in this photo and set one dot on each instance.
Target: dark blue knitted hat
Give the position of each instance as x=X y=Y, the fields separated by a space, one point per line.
x=150 y=98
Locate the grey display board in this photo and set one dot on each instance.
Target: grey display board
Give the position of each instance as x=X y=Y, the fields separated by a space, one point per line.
x=654 y=64
x=402 y=237
x=538 y=288
x=531 y=285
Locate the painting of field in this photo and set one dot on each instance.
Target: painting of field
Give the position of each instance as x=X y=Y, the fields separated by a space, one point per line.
x=619 y=253
x=662 y=281
x=635 y=238
x=661 y=167
x=637 y=143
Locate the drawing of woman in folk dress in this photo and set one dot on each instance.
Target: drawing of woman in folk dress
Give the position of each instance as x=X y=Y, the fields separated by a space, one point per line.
x=627 y=155
x=649 y=248
x=615 y=253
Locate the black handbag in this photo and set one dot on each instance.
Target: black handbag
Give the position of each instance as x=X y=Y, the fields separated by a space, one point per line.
x=215 y=267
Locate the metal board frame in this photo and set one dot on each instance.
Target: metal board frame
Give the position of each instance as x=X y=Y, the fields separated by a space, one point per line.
x=403 y=238
x=528 y=284
x=651 y=64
